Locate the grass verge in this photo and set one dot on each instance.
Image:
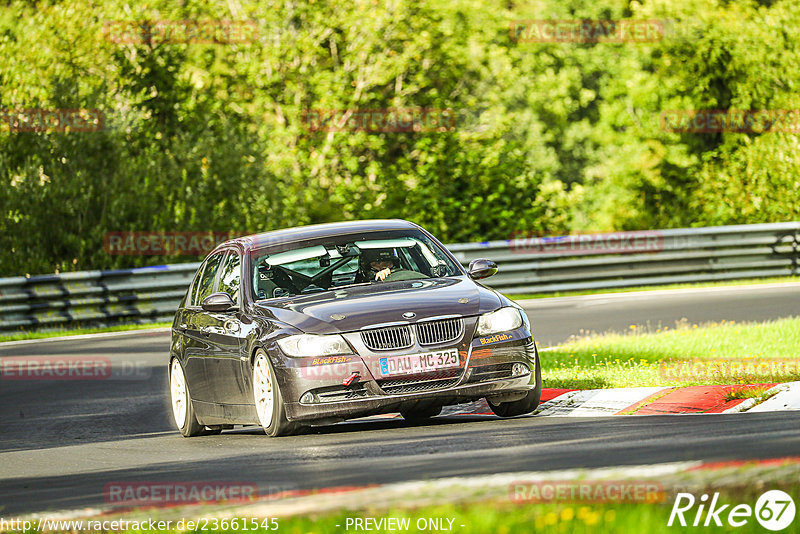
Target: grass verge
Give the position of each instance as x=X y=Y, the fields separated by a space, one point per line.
x=689 y=354
x=81 y=331
x=727 y=283
x=502 y=517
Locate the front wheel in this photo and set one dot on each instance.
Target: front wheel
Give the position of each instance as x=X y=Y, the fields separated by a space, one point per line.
x=270 y=408
x=525 y=405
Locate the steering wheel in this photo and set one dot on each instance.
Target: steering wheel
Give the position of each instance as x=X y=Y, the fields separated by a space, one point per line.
x=403 y=274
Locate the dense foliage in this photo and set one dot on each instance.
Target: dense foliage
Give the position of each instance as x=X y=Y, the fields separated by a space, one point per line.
x=547 y=137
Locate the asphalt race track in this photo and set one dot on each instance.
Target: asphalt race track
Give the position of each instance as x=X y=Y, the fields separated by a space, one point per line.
x=61 y=442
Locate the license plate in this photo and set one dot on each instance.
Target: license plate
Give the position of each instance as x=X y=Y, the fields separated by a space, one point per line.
x=419 y=363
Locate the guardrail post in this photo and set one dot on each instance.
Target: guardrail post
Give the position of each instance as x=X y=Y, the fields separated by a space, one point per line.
x=794 y=241
x=796 y=252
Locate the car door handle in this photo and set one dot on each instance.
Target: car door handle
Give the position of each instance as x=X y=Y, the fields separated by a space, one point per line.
x=208 y=330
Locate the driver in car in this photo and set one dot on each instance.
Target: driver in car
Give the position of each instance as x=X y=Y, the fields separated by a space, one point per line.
x=377 y=264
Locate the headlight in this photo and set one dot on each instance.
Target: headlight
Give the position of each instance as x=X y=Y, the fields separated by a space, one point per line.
x=501 y=320
x=313 y=345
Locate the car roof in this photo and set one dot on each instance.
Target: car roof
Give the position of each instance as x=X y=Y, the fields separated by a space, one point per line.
x=315 y=231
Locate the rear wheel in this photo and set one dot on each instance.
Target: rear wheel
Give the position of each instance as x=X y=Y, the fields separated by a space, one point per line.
x=528 y=403
x=269 y=402
x=182 y=409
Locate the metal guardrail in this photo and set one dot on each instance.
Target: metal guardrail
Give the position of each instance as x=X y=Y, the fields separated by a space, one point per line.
x=527 y=265
x=93 y=298
x=683 y=255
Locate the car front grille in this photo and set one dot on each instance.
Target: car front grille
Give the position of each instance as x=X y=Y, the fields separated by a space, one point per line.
x=387 y=338
x=399 y=337
x=442 y=331
x=431 y=381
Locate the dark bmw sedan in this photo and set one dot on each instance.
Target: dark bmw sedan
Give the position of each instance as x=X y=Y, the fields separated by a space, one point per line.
x=318 y=324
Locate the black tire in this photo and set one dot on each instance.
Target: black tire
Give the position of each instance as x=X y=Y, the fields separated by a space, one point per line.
x=182 y=408
x=277 y=424
x=526 y=404
x=416 y=415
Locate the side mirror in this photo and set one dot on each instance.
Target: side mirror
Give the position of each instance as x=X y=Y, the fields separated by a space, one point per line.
x=481 y=268
x=218 y=302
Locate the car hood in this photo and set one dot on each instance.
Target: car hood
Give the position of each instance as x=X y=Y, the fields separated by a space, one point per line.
x=352 y=308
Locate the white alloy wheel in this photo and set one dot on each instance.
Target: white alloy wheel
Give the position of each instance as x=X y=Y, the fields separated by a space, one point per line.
x=263 y=390
x=177 y=386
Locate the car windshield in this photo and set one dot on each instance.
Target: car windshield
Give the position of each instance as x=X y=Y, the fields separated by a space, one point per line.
x=340 y=261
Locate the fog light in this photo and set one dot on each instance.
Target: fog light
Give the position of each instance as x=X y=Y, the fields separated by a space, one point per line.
x=519 y=369
x=307 y=398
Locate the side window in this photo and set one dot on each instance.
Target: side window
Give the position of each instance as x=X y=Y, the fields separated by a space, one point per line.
x=192 y=298
x=230 y=279
x=206 y=286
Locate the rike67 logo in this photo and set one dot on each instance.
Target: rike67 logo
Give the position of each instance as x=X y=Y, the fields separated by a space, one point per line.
x=774 y=510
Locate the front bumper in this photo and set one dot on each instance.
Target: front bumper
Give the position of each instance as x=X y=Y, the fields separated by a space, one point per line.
x=316 y=392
